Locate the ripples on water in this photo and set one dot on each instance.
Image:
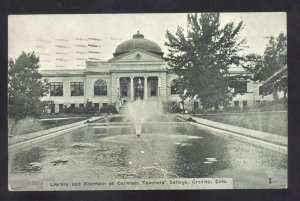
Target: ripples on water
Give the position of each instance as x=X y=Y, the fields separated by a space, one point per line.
x=162 y=151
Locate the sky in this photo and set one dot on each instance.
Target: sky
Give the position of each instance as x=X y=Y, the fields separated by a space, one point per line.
x=113 y=29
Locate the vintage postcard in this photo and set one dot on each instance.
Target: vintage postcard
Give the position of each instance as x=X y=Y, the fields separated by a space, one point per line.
x=147 y=101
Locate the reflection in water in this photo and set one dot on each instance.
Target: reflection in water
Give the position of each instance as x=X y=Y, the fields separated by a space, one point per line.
x=163 y=151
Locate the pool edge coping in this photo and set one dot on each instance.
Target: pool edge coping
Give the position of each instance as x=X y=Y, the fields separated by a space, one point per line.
x=282 y=148
x=42 y=135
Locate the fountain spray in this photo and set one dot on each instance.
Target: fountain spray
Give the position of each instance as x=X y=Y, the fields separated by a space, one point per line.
x=140 y=111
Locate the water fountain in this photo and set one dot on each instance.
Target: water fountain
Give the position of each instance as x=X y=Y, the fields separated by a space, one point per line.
x=140 y=111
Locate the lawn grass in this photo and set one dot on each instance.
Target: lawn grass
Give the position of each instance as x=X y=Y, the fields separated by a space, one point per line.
x=272 y=122
x=30 y=125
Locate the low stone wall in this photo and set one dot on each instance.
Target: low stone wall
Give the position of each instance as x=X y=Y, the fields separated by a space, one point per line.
x=269 y=140
x=21 y=141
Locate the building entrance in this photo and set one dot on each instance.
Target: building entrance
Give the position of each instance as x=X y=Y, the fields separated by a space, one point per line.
x=134 y=88
x=138 y=88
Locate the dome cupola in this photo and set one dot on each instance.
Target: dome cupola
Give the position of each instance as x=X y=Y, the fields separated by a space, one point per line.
x=138 y=42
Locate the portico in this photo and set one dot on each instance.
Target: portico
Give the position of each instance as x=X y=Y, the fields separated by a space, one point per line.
x=144 y=87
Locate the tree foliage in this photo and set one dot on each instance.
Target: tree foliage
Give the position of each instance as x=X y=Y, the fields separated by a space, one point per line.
x=270 y=68
x=201 y=57
x=25 y=87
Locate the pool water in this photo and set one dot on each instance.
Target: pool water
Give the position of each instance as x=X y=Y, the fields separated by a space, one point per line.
x=170 y=150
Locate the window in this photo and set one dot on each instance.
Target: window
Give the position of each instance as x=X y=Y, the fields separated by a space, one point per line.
x=81 y=105
x=56 y=89
x=174 y=88
x=153 y=89
x=258 y=101
x=236 y=103
x=76 y=88
x=100 y=88
x=260 y=90
x=104 y=104
x=73 y=106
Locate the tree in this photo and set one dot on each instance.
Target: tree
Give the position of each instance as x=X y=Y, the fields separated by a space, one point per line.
x=274 y=62
x=25 y=87
x=271 y=68
x=201 y=58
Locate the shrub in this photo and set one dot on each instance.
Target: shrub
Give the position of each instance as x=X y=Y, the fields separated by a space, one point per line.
x=198 y=111
x=175 y=108
x=68 y=110
x=89 y=109
x=108 y=109
x=233 y=109
x=26 y=125
x=79 y=110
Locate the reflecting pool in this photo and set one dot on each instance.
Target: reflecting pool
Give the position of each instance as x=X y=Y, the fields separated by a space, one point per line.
x=165 y=150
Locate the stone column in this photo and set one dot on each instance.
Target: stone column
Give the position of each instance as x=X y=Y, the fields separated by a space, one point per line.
x=145 y=88
x=131 y=89
x=118 y=87
x=159 y=85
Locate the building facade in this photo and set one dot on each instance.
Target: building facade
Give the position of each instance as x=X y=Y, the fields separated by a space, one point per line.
x=137 y=70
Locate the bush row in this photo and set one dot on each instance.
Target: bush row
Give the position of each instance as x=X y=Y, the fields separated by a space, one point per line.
x=89 y=109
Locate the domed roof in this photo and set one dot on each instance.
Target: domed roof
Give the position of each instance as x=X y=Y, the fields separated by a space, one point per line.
x=138 y=41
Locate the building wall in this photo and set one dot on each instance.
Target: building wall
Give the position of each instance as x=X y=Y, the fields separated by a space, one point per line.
x=171 y=97
x=66 y=99
x=130 y=67
x=89 y=91
x=252 y=97
x=163 y=87
x=114 y=85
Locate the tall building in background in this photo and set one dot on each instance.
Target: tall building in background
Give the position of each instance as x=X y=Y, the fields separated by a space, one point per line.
x=61 y=53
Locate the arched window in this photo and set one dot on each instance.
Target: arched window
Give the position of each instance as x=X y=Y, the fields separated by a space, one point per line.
x=100 y=88
x=174 y=87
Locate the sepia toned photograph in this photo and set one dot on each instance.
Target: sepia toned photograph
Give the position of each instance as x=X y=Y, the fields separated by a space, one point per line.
x=147 y=101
